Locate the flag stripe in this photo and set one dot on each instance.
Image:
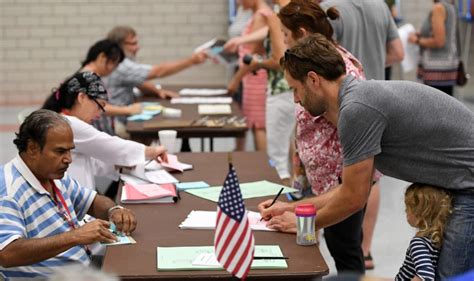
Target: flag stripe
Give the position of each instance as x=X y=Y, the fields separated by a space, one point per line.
x=228 y=239
x=233 y=240
x=235 y=235
x=245 y=251
x=235 y=248
x=221 y=226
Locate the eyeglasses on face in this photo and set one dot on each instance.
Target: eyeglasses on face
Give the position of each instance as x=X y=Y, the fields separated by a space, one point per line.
x=98 y=104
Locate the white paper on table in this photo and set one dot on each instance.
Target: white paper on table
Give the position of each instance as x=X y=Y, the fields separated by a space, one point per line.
x=208 y=259
x=211 y=109
x=202 y=92
x=138 y=171
x=160 y=177
x=202 y=100
x=412 y=51
x=132 y=179
x=154 y=165
x=154 y=176
x=207 y=220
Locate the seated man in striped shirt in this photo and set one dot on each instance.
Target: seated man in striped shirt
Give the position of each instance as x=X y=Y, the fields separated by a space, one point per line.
x=40 y=206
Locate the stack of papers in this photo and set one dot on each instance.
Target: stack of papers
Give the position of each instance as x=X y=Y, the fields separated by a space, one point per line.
x=202 y=100
x=207 y=220
x=214 y=109
x=122 y=238
x=191 y=185
x=173 y=164
x=148 y=193
x=186 y=258
x=202 y=92
x=149 y=110
x=141 y=176
x=154 y=172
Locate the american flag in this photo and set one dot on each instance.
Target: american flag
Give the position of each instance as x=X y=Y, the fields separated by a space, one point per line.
x=233 y=240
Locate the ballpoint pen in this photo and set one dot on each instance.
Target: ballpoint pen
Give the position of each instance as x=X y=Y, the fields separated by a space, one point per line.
x=270 y=258
x=274 y=199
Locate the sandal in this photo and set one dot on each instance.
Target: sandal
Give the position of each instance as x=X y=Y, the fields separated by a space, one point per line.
x=369 y=262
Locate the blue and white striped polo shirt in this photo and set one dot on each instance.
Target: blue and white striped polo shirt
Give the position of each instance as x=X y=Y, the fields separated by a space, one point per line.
x=28 y=211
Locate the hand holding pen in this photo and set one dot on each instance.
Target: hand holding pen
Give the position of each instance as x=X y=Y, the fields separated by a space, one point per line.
x=269 y=209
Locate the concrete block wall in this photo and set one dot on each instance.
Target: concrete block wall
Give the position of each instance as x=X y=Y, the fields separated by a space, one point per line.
x=44 y=41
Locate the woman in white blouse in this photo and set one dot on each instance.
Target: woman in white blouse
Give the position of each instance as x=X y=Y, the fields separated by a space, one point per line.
x=82 y=98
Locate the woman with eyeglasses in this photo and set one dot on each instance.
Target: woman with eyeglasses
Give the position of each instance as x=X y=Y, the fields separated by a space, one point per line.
x=318 y=162
x=103 y=58
x=81 y=99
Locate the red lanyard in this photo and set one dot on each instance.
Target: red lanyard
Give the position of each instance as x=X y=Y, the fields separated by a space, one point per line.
x=64 y=211
x=62 y=206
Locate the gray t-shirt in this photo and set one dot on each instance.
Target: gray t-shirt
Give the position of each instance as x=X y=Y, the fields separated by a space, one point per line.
x=415 y=133
x=120 y=83
x=364 y=28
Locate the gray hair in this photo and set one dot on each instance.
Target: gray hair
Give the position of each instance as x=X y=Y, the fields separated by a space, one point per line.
x=35 y=128
x=120 y=33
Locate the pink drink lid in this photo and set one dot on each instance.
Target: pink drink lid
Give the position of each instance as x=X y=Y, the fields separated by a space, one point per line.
x=305 y=210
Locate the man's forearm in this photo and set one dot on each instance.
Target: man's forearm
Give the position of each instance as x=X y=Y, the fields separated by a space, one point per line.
x=350 y=197
x=340 y=207
x=29 y=251
x=318 y=201
x=149 y=89
x=395 y=52
x=169 y=68
x=100 y=206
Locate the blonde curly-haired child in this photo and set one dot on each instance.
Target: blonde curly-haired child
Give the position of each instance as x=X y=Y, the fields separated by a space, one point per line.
x=428 y=209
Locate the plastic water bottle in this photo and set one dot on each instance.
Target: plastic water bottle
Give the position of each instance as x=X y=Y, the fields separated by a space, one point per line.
x=305 y=216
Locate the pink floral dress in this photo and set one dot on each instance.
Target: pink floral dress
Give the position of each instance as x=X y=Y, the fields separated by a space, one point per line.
x=318 y=145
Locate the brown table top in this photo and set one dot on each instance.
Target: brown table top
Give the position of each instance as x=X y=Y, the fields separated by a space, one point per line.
x=189 y=114
x=158 y=226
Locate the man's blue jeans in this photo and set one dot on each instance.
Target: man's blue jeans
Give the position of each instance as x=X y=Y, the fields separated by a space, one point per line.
x=457 y=251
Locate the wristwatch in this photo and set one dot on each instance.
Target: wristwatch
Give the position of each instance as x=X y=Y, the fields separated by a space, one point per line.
x=112 y=209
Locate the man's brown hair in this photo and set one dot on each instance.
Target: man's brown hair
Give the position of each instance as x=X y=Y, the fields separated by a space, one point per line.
x=313 y=53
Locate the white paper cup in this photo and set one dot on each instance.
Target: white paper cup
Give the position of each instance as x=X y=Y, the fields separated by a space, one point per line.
x=167 y=139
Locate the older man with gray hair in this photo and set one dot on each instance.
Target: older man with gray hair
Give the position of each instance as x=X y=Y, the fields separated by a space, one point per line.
x=41 y=206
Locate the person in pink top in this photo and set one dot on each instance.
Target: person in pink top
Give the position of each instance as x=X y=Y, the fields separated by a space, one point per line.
x=254 y=84
x=319 y=149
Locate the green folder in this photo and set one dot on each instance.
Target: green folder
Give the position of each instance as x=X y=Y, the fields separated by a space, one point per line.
x=181 y=258
x=249 y=190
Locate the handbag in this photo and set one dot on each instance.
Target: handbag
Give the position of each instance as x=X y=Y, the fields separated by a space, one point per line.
x=462 y=77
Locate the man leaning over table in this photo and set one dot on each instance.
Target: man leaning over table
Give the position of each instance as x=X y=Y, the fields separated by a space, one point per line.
x=403 y=129
x=41 y=206
x=130 y=74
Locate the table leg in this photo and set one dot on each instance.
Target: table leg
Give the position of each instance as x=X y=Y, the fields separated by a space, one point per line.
x=185 y=147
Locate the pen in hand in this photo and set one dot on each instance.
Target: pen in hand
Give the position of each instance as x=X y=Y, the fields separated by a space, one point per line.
x=274 y=200
x=149 y=161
